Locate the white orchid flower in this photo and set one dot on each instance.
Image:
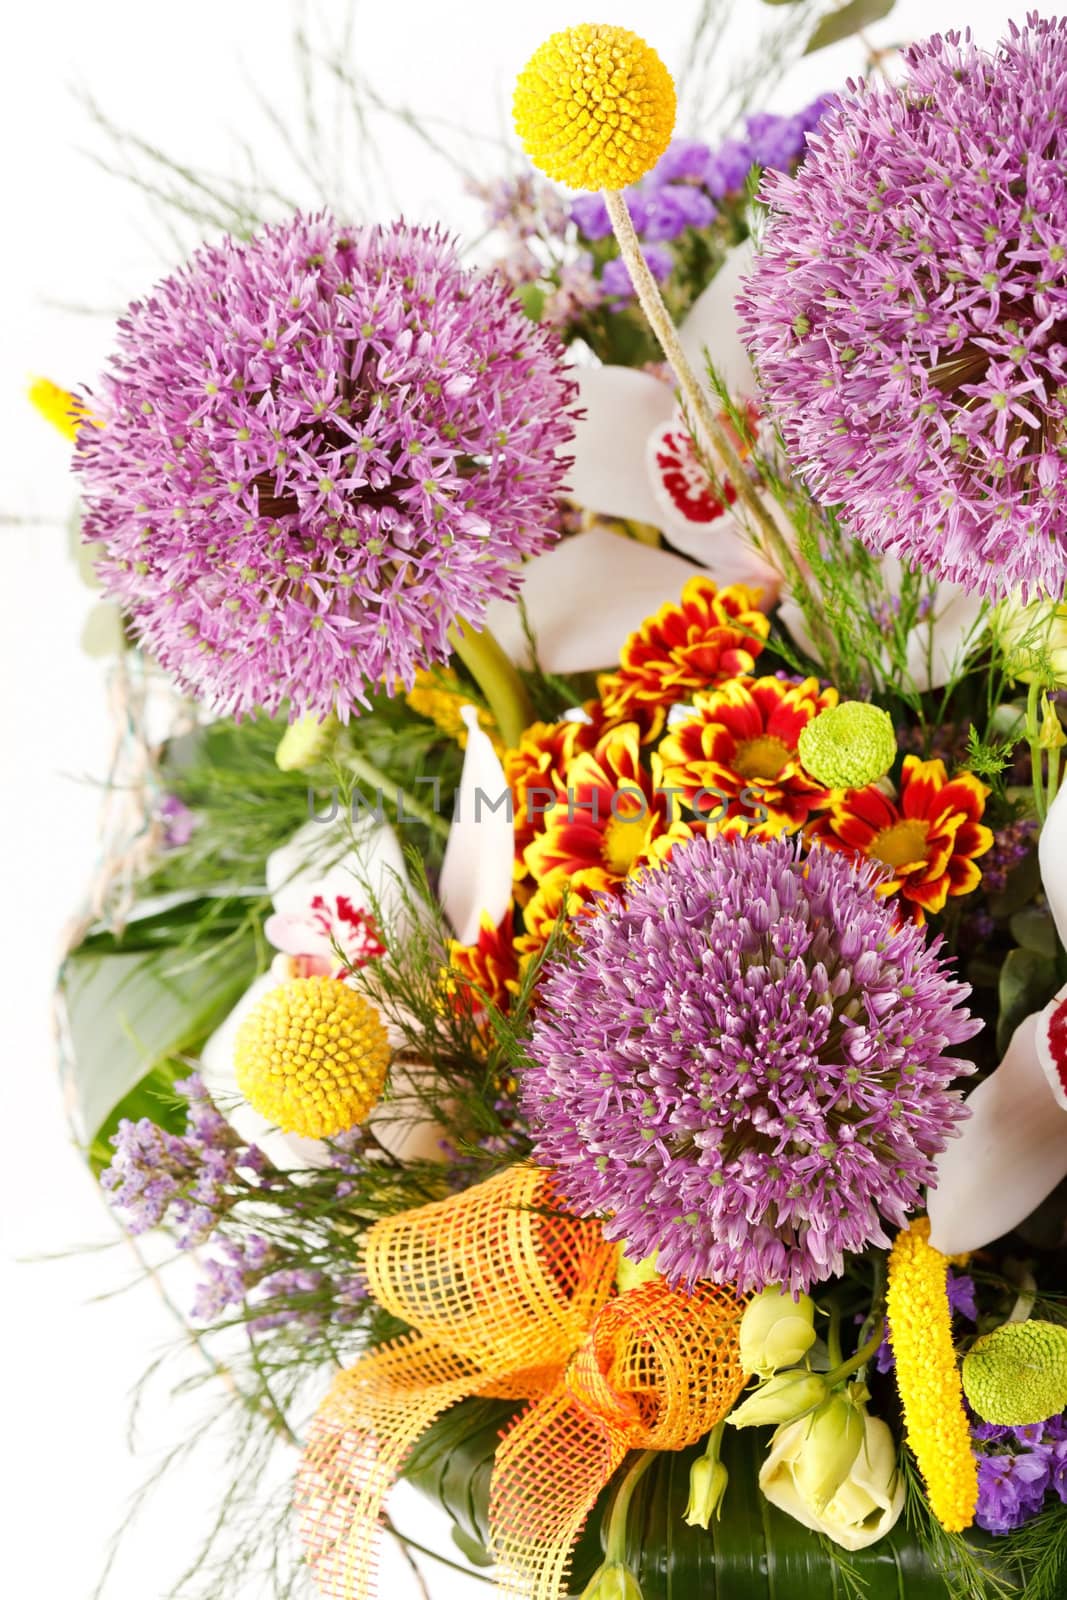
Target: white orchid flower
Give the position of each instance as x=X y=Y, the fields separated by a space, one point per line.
x=633 y=459
x=324 y=882
x=1012 y=1151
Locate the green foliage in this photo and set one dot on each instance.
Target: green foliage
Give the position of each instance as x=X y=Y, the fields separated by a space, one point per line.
x=849 y=19
x=135 y=1003
x=752 y=1551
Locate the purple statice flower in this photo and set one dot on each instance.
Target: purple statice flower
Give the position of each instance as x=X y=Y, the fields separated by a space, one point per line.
x=774 y=141
x=674 y=208
x=320 y=448
x=590 y=215
x=286 y=1295
x=188 y=1180
x=522 y=207
x=683 y=161
x=741 y=1064
x=908 y=313
x=230 y=1275
x=615 y=278
x=350 y=1295
x=1011 y=1490
x=178 y=822
x=579 y=291
x=1011 y=845
x=728 y=168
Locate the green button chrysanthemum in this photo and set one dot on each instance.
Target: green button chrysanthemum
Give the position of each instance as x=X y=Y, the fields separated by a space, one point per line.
x=848 y=746
x=1018 y=1373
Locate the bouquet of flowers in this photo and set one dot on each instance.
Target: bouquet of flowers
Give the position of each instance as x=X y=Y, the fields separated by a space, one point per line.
x=582 y=968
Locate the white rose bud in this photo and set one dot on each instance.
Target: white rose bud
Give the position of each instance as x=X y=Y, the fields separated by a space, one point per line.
x=776 y=1331
x=780 y=1399
x=866 y=1504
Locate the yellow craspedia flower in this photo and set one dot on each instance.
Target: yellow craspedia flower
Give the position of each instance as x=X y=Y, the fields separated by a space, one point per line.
x=594 y=107
x=59 y=407
x=312 y=1057
x=920 y=1331
x=438 y=695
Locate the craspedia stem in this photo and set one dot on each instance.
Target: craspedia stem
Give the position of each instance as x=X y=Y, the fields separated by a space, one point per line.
x=714 y=438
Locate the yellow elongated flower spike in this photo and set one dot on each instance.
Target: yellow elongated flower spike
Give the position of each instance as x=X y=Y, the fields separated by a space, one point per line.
x=437 y=695
x=312 y=1057
x=928 y=1378
x=59 y=407
x=595 y=107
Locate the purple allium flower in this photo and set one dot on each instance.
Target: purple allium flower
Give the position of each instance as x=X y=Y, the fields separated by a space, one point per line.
x=908 y=315
x=320 y=448
x=740 y=1064
x=615 y=278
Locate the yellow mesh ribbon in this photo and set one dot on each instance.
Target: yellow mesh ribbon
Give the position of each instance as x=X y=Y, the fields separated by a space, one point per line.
x=511 y=1298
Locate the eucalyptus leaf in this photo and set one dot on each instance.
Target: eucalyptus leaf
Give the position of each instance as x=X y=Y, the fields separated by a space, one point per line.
x=848 y=20
x=1028 y=981
x=1034 y=929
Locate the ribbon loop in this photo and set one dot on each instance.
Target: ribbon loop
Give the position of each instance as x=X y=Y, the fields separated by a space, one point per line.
x=509 y=1296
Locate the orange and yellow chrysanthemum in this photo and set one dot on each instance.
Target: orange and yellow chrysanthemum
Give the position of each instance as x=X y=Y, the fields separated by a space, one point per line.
x=736 y=757
x=711 y=634
x=486 y=970
x=557 y=896
x=536 y=771
x=607 y=820
x=929 y=837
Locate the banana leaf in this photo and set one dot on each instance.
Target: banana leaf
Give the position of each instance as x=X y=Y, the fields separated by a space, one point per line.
x=134 y=1005
x=752 y=1552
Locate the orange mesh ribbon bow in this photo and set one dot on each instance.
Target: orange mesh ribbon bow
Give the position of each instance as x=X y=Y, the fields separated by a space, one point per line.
x=511 y=1298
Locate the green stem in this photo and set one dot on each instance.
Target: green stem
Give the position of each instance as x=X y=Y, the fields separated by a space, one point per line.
x=413 y=809
x=495 y=674
x=833 y=1336
x=714 y=1444
x=615 y=1544
x=865 y=1353
x=714 y=437
x=1033 y=739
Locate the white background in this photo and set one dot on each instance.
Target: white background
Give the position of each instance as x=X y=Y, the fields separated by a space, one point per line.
x=185 y=77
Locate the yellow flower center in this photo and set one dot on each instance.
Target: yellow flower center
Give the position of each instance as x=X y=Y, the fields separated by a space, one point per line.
x=902 y=845
x=624 y=840
x=765 y=757
x=594 y=107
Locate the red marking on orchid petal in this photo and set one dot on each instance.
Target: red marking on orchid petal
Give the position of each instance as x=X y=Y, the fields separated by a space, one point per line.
x=1057 y=1042
x=683 y=476
x=685 y=480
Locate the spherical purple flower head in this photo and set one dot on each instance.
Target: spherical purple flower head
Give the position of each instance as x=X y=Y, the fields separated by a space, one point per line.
x=741 y=1065
x=908 y=315
x=320 y=448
